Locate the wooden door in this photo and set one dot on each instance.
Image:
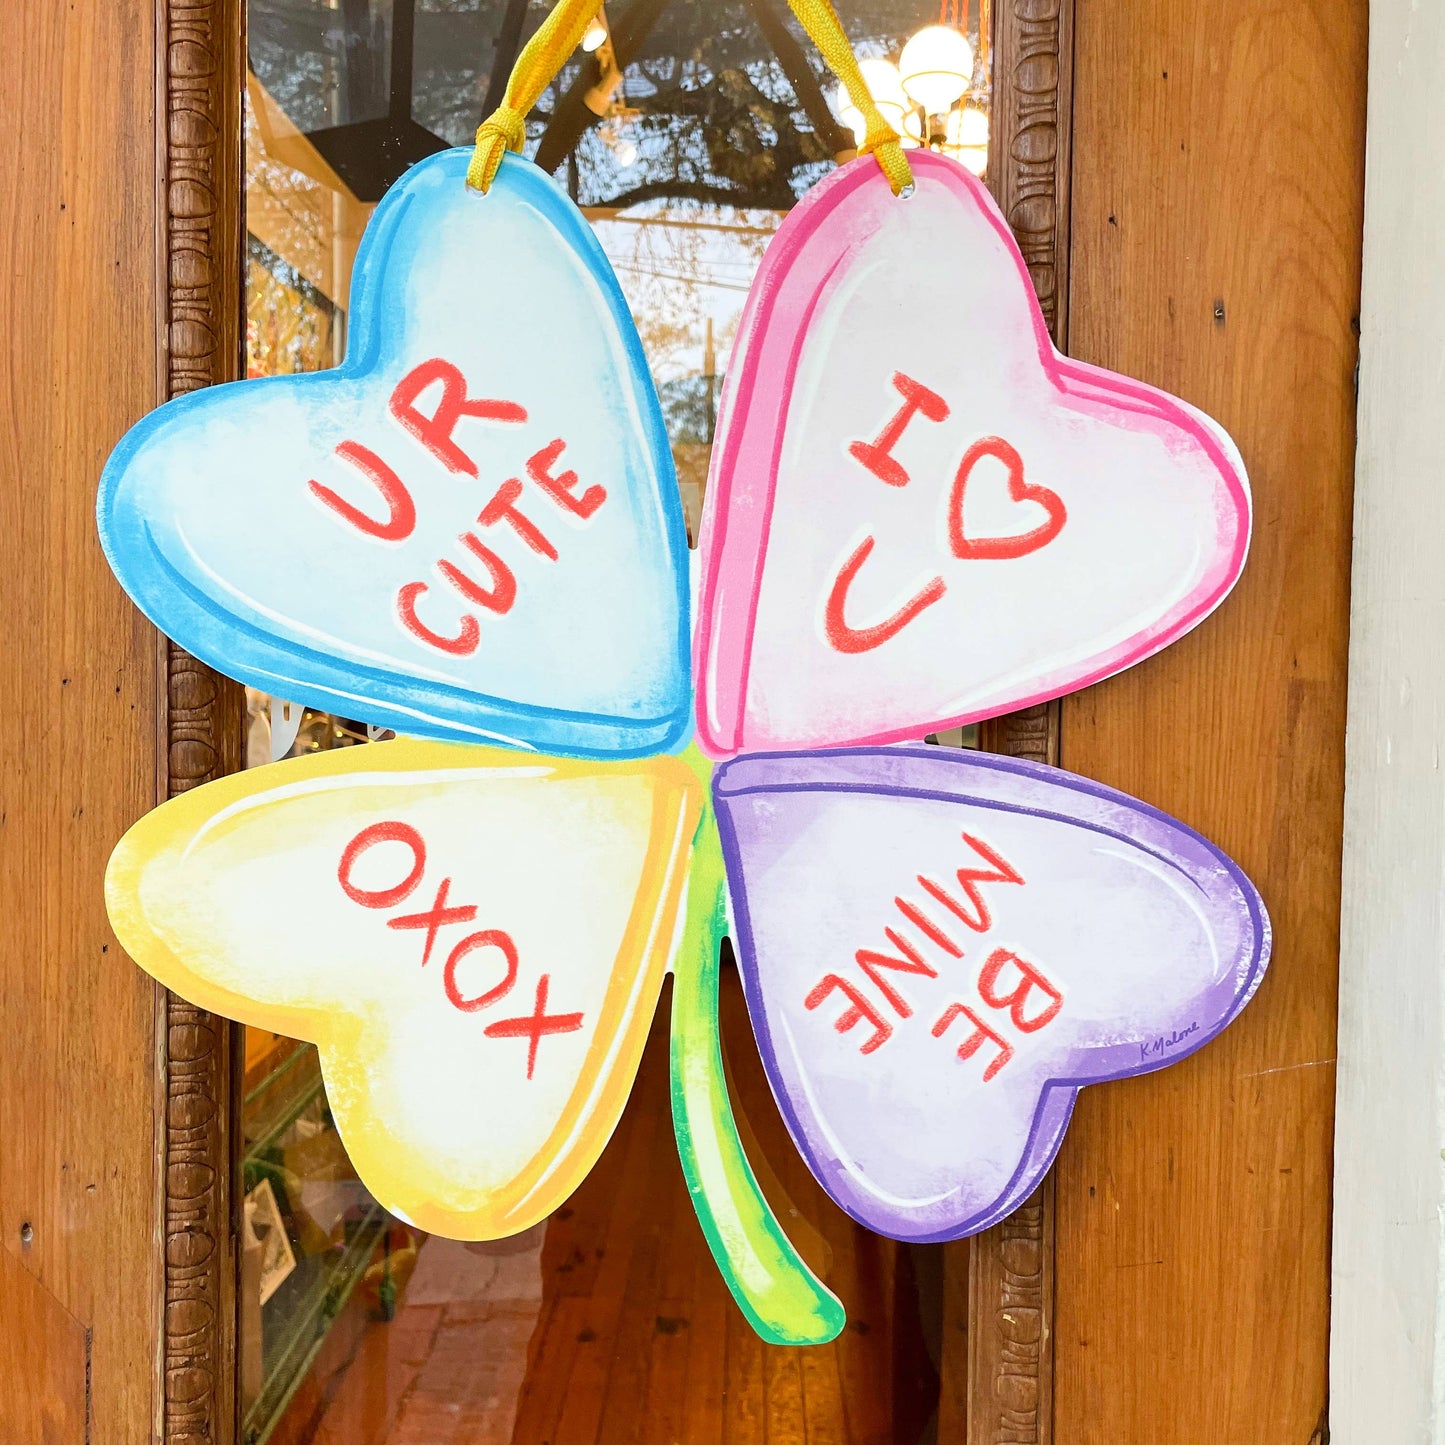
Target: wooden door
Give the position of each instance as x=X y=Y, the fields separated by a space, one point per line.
x=1202 y=232
x=1216 y=223
x=1185 y=182
x=113 y=1206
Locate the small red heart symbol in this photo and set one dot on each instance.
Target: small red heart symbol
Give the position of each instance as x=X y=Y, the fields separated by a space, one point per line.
x=1021 y=543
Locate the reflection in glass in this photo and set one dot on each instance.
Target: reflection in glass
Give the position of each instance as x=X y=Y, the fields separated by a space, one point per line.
x=685 y=133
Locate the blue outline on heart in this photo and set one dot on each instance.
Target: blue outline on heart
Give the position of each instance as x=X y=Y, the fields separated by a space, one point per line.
x=586 y=636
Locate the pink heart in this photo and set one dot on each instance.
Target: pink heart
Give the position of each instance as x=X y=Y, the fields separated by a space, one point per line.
x=888 y=348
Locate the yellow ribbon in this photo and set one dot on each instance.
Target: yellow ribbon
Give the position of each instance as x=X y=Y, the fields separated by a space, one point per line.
x=561 y=33
x=541 y=58
x=880 y=140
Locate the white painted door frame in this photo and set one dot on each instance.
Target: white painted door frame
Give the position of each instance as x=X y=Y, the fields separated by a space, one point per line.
x=1387 y=1349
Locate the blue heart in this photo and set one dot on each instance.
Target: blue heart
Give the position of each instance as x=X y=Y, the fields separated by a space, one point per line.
x=470 y=529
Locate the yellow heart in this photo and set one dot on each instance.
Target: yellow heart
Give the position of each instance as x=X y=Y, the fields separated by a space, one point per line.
x=474 y=939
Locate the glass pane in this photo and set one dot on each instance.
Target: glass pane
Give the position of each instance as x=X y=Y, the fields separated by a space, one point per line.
x=327 y=62
x=685 y=137
x=455 y=52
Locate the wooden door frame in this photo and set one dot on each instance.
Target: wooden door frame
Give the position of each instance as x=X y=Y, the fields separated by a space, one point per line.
x=201 y=189
x=1008 y=1344
x=1386 y=1373
x=1011 y=1266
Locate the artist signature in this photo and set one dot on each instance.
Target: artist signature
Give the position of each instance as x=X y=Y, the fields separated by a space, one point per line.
x=1156 y=1048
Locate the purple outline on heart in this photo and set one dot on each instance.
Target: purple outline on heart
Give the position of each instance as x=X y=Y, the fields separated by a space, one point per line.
x=945 y=775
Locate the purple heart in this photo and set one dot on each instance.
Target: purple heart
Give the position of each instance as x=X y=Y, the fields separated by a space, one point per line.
x=939 y=948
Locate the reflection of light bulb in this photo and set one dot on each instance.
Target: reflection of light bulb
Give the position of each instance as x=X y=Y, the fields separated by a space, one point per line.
x=626 y=153
x=884 y=85
x=848 y=114
x=965 y=138
x=966 y=127
x=936 y=67
x=595 y=35
x=912 y=128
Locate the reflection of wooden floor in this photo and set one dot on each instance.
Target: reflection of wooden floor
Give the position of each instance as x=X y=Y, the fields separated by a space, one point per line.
x=635 y=1337
x=638 y=1324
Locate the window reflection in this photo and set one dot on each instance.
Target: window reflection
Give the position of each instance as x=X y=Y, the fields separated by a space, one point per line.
x=685 y=136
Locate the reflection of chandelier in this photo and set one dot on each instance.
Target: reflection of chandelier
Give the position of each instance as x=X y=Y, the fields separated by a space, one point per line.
x=936 y=67
x=608 y=98
x=937 y=93
x=597 y=32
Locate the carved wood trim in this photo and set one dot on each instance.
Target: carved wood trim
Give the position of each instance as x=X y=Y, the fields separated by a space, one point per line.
x=1031 y=146
x=1011 y=1269
x=1011 y=1314
x=200 y=150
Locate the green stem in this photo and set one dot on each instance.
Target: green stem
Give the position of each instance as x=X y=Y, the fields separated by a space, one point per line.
x=782 y=1298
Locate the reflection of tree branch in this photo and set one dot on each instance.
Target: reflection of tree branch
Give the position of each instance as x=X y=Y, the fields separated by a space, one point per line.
x=800 y=77
x=504 y=56
x=778 y=197
x=571 y=117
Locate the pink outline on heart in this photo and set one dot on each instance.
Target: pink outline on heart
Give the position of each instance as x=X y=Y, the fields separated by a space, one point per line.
x=787 y=298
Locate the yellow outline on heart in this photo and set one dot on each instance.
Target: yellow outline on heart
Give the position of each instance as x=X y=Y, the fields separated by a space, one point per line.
x=405 y=1180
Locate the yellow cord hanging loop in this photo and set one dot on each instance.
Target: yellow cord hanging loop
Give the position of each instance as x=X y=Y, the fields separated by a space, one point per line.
x=561 y=33
x=880 y=141
x=542 y=57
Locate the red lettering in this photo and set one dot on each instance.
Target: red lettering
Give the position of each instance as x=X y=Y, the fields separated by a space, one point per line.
x=369 y=838
x=562 y=487
x=848 y=639
x=434 y=432
x=534 y=1027
x=401 y=510
x=436 y=917
x=878 y=456
x=859 y=1008
x=980 y=920
x=488 y=938
x=981 y=1035
x=928 y=927
x=503 y=507
x=503 y=591
x=1021 y=543
x=911 y=962
x=461 y=645
x=1029 y=979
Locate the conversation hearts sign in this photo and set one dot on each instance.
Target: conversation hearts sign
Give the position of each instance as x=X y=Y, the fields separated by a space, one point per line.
x=940 y=949
x=475 y=940
x=919 y=513
x=431 y=536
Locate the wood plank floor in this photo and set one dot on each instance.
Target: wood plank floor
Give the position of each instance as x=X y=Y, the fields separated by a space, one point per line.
x=611 y=1324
